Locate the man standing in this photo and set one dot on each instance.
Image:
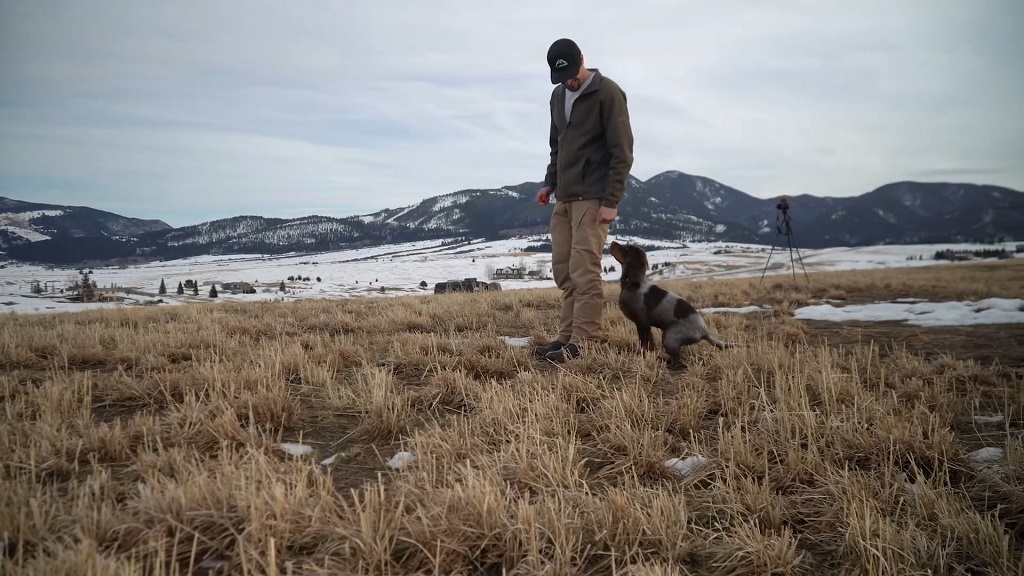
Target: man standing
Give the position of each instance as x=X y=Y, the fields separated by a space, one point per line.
x=591 y=155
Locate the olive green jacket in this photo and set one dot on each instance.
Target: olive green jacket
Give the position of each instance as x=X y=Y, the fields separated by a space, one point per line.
x=591 y=155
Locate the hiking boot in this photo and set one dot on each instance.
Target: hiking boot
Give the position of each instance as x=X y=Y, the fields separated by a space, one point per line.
x=567 y=352
x=543 y=351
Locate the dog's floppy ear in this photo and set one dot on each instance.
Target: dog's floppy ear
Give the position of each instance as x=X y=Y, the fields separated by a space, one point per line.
x=617 y=252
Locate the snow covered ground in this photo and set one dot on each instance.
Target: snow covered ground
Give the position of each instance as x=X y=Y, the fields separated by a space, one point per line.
x=399 y=270
x=987 y=311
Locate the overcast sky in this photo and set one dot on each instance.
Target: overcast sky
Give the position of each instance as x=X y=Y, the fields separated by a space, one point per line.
x=192 y=111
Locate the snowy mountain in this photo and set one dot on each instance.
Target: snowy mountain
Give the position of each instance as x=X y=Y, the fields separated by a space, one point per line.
x=899 y=213
x=259 y=235
x=671 y=206
x=24 y=224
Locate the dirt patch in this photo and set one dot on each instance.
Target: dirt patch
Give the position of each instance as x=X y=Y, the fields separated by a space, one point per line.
x=998 y=343
x=357 y=460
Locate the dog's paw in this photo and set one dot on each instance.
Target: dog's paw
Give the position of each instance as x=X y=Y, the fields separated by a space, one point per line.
x=674 y=364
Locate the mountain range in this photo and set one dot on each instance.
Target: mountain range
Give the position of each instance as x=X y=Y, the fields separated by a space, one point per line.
x=671 y=206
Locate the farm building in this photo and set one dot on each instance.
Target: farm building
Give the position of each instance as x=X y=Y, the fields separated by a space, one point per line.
x=510 y=273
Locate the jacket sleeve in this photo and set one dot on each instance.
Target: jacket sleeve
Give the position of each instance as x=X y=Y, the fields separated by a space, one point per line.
x=619 y=136
x=551 y=177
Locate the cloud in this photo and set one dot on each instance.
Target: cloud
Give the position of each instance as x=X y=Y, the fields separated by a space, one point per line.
x=189 y=111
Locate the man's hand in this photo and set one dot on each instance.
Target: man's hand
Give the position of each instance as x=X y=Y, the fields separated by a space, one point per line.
x=605 y=215
x=544 y=195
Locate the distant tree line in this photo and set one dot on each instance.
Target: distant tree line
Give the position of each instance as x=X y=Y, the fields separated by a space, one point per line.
x=980 y=253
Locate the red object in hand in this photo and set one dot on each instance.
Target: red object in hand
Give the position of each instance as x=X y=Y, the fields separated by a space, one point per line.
x=544 y=196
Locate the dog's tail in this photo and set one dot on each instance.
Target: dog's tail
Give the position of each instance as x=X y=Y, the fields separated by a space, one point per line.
x=720 y=344
x=716 y=342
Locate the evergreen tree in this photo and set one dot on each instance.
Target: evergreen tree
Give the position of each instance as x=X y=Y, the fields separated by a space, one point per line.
x=195 y=288
x=281 y=287
x=87 y=287
x=213 y=291
x=181 y=288
x=163 y=287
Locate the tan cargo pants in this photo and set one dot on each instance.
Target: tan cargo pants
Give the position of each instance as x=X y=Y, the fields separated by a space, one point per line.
x=576 y=244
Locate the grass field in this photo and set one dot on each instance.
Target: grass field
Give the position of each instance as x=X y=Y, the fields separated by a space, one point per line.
x=149 y=441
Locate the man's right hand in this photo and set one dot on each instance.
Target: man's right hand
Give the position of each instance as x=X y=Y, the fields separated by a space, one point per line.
x=544 y=195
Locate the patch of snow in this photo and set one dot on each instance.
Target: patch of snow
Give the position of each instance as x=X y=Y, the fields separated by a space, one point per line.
x=402 y=459
x=329 y=460
x=988 y=311
x=668 y=174
x=909 y=199
x=449 y=200
x=26 y=233
x=29 y=215
x=405 y=210
x=517 y=342
x=986 y=455
x=886 y=256
x=885 y=215
x=296 y=449
x=995 y=419
x=19 y=223
x=711 y=205
x=742 y=310
x=719 y=228
x=644 y=241
x=30 y=304
x=685 y=467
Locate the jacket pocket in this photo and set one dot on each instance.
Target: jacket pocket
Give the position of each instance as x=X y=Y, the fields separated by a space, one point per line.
x=591 y=168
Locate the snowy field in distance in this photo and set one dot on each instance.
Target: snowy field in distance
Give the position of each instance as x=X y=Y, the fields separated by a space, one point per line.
x=987 y=311
x=400 y=268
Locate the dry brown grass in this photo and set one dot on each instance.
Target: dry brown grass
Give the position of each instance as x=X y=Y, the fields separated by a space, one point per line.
x=146 y=441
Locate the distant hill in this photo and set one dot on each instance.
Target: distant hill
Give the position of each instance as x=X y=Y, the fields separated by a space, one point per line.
x=50 y=232
x=671 y=206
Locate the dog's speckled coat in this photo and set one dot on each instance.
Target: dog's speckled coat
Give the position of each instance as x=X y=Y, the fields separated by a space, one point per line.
x=650 y=306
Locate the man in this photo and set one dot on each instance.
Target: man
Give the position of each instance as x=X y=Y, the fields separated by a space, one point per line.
x=591 y=155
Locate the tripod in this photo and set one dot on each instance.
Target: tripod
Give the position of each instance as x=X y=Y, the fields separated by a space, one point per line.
x=783 y=227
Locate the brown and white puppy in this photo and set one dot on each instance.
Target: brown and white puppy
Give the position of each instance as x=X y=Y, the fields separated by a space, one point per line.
x=648 y=305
